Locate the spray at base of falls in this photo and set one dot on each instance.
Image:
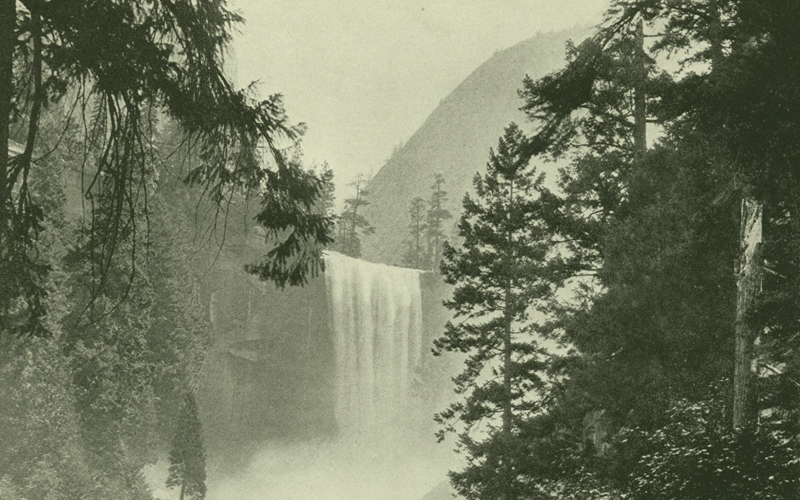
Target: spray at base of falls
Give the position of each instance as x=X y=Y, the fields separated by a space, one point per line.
x=376 y=314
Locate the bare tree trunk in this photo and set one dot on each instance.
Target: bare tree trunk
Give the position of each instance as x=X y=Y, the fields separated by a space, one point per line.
x=507 y=365
x=508 y=313
x=507 y=470
x=748 y=284
x=748 y=277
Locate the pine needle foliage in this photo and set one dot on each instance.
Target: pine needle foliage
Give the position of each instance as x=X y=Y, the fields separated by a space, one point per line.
x=499 y=275
x=116 y=65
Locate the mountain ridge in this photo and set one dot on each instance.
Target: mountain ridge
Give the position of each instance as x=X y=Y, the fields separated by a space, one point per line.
x=455 y=139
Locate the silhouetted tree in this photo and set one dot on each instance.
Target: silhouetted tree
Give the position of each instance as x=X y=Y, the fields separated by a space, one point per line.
x=327 y=198
x=114 y=63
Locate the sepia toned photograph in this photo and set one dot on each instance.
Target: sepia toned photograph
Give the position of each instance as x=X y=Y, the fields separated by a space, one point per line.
x=400 y=250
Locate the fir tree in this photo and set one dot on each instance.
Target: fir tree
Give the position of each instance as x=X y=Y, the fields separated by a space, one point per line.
x=187 y=458
x=114 y=64
x=436 y=217
x=658 y=229
x=499 y=276
x=416 y=254
x=352 y=225
x=327 y=198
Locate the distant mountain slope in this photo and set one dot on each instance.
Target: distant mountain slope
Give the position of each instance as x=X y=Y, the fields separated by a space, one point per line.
x=442 y=491
x=455 y=139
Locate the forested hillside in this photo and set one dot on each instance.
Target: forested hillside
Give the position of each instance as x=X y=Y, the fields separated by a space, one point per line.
x=454 y=139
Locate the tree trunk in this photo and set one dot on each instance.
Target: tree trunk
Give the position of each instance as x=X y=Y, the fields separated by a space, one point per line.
x=748 y=284
x=640 y=95
x=715 y=36
x=748 y=276
x=508 y=320
x=183 y=488
x=507 y=364
x=7 y=25
x=508 y=313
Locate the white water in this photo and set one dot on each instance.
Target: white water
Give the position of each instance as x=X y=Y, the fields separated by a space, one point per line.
x=376 y=314
x=385 y=449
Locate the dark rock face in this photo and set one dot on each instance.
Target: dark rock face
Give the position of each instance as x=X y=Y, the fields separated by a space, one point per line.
x=455 y=140
x=269 y=370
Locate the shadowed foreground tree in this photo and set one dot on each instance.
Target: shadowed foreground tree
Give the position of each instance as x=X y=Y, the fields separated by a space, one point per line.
x=112 y=65
x=660 y=228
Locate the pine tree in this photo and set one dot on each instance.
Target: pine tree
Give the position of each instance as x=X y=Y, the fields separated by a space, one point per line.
x=116 y=65
x=499 y=275
x=416 y=255
x=436 y=217
x=327 y=198
x=659 y=229
x=352 y=225
x=187 y=458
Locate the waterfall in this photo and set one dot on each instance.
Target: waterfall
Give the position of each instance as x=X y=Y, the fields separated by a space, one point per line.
x=376 y=311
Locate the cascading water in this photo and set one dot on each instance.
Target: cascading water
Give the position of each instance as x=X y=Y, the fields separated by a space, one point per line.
x=385 y=448
x=376 y=314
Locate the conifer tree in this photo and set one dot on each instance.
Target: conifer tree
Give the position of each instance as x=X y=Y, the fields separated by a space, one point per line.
x=436 y=217
x=187 y=458
x=352 y=225
x=499 y=275
x=327 y=197
x=116 y=65
x=659 y=229
x=416 y=255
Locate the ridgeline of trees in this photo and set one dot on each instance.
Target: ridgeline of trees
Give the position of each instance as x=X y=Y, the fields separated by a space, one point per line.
x=426 y=228
x=669 y=281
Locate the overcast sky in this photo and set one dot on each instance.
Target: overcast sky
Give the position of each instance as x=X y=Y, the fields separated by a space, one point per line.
x=364 y=74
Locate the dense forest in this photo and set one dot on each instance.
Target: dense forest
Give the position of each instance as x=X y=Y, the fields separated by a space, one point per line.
x=103 y=323
x=640 y=338
x=629 y=329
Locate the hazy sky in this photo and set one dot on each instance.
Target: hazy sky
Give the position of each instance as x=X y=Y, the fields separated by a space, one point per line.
x=364 y=74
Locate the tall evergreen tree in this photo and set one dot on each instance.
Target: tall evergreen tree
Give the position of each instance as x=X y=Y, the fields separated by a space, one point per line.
x=416 y=255
x=327 y=198
x=113 y=63
x=187 y=458
x=659 y=230
x=437 y=215
x=499 y=275
x=352 y=225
